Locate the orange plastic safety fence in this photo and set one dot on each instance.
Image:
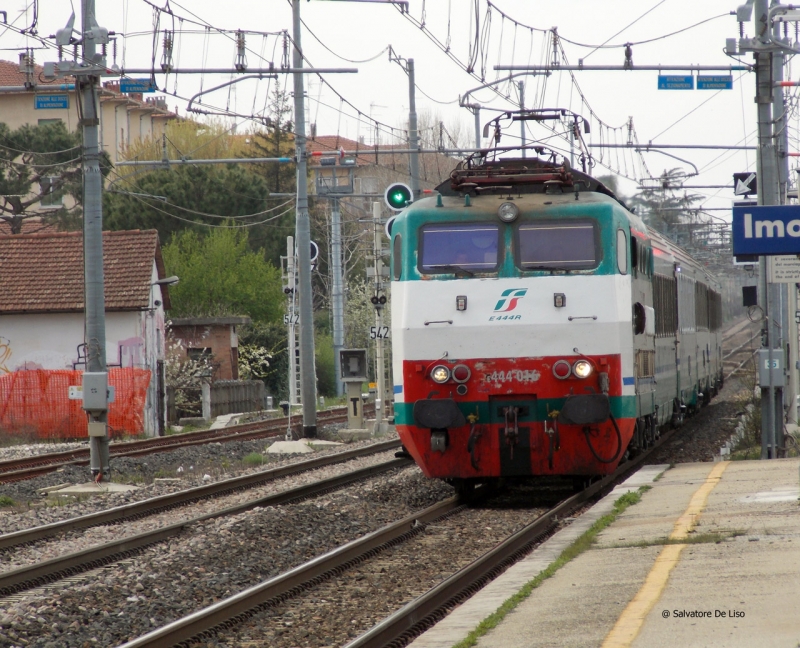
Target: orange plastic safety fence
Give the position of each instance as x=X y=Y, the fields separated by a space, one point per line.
x=36 y=403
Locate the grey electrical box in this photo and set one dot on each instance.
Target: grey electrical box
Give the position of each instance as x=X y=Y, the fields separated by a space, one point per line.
x=95 y=391
x=778 y=366
x=353 y=364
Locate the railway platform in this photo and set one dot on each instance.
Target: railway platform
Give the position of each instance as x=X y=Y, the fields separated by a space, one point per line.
x=709 y=557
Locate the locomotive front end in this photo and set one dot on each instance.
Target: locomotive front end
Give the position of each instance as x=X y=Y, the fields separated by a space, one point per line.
x=511 y=325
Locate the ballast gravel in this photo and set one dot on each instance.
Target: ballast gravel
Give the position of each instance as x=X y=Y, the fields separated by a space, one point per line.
x=208 y=562
x=154 y=474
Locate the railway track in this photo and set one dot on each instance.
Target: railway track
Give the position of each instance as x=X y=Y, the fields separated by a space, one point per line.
x=57 y=568
x=34 y=466
x=414 y=617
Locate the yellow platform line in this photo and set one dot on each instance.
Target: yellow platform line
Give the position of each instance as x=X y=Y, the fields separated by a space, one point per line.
x=630 y=622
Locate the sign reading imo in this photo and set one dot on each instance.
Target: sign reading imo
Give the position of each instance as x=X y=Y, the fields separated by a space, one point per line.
x=766 y=230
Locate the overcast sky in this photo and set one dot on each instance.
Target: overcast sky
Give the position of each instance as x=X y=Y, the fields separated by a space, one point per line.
x=339 y=33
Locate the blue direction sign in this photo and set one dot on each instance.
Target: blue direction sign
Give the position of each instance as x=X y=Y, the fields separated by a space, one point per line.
x=51 y=101
x=670 y=82
x=137 y=85
x=706 y=82
x=766 y=230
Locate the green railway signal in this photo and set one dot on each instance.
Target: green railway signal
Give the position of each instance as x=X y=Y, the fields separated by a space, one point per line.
x=398 y=196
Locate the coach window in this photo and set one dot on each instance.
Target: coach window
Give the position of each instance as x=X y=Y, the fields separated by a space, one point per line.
x=397 y=259
x=562 y=245
x=460 y=248
x=622 y=252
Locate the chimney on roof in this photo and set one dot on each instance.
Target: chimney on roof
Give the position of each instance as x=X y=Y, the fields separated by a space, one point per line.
x=313 y=131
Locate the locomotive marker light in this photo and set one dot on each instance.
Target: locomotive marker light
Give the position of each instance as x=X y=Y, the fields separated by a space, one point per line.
x=461 y=373
x=461 y=302
x=559 y=300
x=582 y=369
x=508 y=212
x=562 y=370
x=398 y=196
x=440 y=374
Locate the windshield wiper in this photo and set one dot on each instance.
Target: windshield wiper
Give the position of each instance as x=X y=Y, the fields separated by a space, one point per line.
x=453 y=268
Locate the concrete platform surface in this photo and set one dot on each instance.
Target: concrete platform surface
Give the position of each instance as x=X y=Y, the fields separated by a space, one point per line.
x=303 y=446
x=93 y=488
x=709 y=557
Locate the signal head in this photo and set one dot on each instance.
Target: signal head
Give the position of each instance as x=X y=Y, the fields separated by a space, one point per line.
x=398 y=196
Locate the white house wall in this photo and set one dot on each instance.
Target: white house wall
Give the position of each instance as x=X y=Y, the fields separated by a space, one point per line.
x=50 y=341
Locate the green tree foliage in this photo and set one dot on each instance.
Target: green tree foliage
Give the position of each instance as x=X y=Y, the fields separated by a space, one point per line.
x=277 y=140
x=36 y=163
x=220 y=275
x=665 y=206
x=193 y=197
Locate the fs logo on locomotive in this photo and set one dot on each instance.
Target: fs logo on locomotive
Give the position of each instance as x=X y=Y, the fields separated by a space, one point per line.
x=508 y=302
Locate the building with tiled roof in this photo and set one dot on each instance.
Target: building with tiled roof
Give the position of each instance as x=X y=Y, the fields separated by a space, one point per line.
x=124 y=117
x=42 y=304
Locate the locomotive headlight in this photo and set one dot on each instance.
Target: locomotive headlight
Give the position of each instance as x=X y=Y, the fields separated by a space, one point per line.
x=582 y=369
x=440 y=374
x=508 y=212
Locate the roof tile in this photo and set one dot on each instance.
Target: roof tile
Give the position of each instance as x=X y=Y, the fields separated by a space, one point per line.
x=44 y=272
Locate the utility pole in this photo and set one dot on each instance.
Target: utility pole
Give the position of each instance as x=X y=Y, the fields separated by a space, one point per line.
x=522 y=121
x=413 y=136
x=768 y=184
x=379 y=301
x=413 y=139
x=337 y=291
x=303 y=234
x=87 y=72
x=95 y=313
x=788 y=291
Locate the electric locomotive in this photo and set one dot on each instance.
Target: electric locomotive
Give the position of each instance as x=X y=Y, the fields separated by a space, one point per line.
x=539 y=327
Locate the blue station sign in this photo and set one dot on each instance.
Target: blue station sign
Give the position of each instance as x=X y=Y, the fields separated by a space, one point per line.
x=671 y=82
x=51 y=101
x=766 y=230
x=706 y=82
x=137 y=85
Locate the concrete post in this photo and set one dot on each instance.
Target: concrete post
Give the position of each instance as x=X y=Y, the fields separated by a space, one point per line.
x=95 y=314
x=303 y=233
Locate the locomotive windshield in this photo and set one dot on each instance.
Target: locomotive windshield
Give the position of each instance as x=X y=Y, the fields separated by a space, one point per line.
x=558 y=245
x=457 y=247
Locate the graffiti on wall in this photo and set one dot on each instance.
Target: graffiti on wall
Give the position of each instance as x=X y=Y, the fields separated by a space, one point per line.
x=5 y=354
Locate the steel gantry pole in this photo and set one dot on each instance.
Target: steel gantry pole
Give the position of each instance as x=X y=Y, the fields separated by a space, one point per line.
x=337 y=291
x=788 y=291
x=767 y=195
x=413 y=136
x=303 y=238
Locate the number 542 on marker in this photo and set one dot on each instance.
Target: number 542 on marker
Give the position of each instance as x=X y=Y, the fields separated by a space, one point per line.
x=379 y=332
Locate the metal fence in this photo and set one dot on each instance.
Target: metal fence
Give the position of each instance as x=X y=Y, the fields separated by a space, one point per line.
x=225 y=396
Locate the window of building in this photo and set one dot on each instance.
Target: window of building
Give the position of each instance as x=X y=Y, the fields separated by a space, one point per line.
x=51 y=196
x=198 y=354
x=42 y=122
